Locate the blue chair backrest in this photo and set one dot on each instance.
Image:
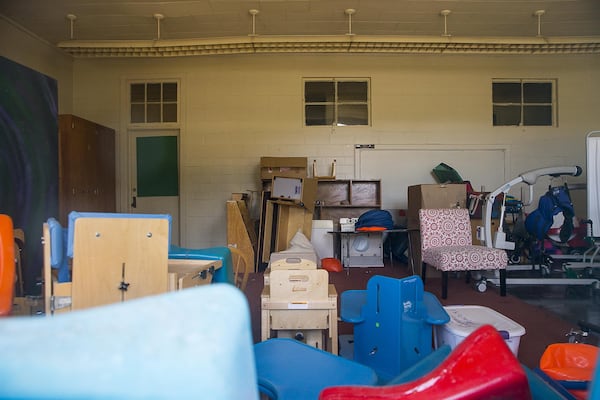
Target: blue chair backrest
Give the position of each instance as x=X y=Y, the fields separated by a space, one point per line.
x=58 y=250
x=394 y=334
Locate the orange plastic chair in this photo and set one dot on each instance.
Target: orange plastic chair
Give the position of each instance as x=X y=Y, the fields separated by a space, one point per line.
x=570 y=362
x=7 y=264
x=481 y=367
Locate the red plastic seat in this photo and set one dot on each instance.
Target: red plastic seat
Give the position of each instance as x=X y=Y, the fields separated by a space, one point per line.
x=7 y=264
x=481 y=367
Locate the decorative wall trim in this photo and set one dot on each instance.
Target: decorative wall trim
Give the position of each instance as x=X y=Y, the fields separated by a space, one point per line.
x=330 y=44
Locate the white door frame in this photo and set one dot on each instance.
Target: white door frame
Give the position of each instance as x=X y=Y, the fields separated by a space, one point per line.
x=123 y=144
x=152 y=205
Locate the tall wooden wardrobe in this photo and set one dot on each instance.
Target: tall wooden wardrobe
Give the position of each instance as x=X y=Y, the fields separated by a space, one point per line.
x=86 y=167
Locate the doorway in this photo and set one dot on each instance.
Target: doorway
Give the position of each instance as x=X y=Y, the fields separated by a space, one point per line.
x=154 y=174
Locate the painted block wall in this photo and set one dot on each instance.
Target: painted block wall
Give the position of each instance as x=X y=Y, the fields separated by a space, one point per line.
x=237 y=108
x=24 y=48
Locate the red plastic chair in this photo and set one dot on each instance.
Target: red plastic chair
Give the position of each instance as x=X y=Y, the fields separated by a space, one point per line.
x=481 y=367
x=7 y=264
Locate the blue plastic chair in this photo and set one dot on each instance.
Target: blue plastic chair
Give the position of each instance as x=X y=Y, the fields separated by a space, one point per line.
x=291 y=370
x=393 y=323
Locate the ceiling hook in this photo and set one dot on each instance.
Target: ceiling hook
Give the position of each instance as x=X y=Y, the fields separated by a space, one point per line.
x=349 y=12
x=158 y=18
x=253 y=12
x=71 y=18
x=445 y=13
x=539 y=14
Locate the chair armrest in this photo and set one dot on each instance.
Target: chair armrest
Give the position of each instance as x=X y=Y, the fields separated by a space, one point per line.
x=351 y=304
x=434 y=311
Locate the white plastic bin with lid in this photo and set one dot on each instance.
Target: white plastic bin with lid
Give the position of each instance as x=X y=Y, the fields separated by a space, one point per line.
x=465 y=319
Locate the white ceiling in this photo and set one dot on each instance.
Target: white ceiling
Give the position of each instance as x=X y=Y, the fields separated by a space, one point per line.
x=184 y=19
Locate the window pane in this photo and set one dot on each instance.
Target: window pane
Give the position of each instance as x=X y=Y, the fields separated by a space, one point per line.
x=507 y=115
x=169 y=92
x=153 y=113
x=319 y=115
x=354 y=114
x=537 y=92
x=537 y=115
x=169 y=112
x=506 y=92
x=138 y=92
x=319 y=92
x=352 y=91
x=154 y=92
x=137 y=113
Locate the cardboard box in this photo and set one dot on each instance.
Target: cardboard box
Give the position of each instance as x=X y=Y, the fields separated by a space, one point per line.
x=466 y=319
x=434 y=196
x=300 y=191
x=290 y=167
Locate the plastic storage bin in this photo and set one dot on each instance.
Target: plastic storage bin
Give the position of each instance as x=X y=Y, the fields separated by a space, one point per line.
x=466 y=319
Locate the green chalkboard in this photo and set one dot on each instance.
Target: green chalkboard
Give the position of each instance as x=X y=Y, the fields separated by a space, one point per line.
x=157 y=166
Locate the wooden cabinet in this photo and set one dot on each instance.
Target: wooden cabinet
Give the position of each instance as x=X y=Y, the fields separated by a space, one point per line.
x=346 y=198
x=86 y=167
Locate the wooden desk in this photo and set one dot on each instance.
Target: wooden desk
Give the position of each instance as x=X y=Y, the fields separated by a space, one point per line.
x=184 y=273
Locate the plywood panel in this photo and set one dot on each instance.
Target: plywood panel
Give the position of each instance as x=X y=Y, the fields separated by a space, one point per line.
x=240 y=233
x=108 y=251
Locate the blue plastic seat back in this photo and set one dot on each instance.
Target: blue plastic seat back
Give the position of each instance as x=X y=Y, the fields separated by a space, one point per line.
x=395 y=333
x=291 y=370
x=58 y=250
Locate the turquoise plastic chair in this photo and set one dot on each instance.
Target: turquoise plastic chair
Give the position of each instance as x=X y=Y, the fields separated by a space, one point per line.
x=193 y=343
x=393 y=323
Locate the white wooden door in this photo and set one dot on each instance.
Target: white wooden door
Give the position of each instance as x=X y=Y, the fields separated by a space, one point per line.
x=154 y=174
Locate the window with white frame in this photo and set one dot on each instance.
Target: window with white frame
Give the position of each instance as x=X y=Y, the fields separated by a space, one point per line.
x=524 y=102
x=336 y=102
x=153 y=102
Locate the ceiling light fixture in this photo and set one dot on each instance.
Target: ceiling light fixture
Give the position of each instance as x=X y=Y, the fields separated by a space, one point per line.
x=158 y=18
x=539 y=14
x=445 y=13
x=71 y=18
x=253 y=12
x=349 y=12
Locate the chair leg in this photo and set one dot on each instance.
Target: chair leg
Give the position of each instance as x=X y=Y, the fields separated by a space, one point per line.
x=444 y=284
x=503 y=282
x=423 y=271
